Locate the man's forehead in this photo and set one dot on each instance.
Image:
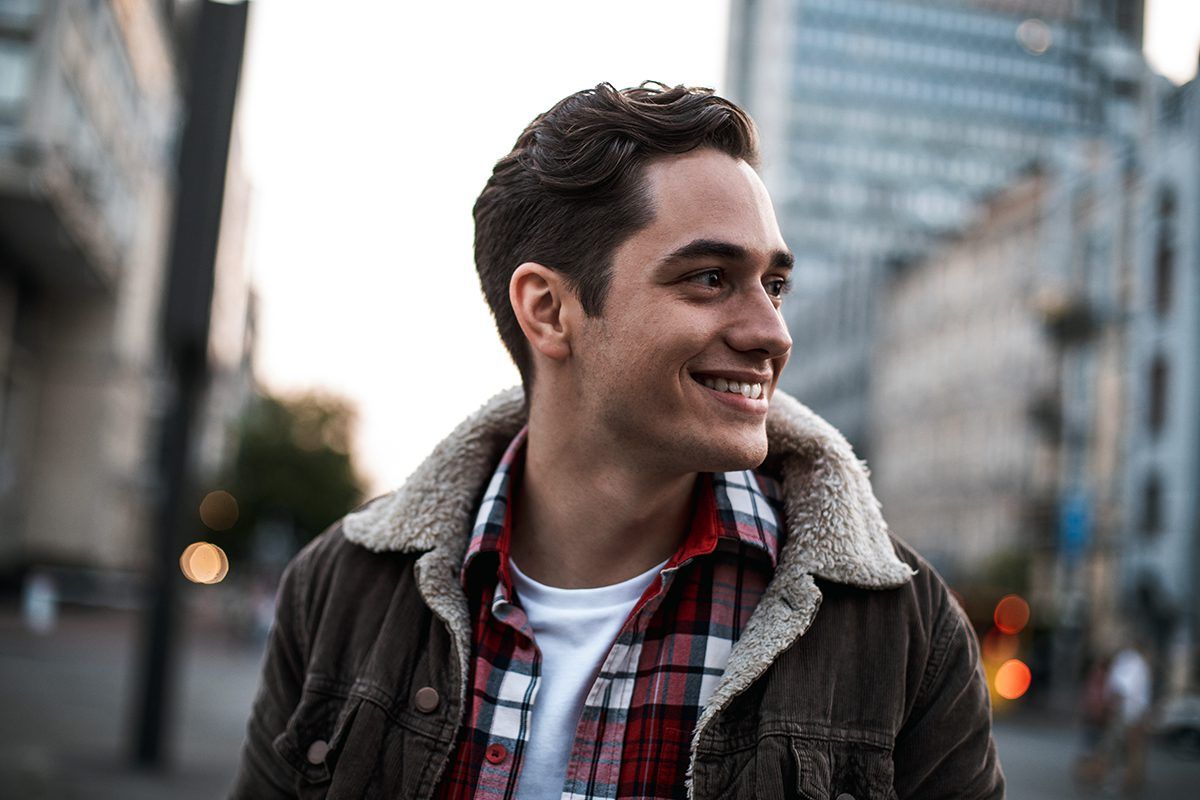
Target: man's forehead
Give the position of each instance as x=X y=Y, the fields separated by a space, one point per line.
x=704 y=173
x=707 y=194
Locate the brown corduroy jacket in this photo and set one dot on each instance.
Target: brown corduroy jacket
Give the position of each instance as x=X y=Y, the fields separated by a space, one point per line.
x=857 y=675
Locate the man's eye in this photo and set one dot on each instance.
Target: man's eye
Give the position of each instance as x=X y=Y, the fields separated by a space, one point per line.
x=778 y=287
x=710 y=277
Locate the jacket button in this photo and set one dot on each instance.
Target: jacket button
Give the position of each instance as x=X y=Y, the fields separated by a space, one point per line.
x=317 y=752
x=495 y=753
x=426 y=699
x=845 y=796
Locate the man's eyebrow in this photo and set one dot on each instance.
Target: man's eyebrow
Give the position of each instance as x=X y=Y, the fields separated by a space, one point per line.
x=715 y=248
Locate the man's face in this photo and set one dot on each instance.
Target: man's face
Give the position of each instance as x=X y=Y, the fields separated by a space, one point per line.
x=693 y=307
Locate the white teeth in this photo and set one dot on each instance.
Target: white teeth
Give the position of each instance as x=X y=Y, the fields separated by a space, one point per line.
x=753 y=391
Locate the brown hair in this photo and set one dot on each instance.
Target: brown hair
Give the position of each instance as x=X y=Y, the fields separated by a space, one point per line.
x=571 y=190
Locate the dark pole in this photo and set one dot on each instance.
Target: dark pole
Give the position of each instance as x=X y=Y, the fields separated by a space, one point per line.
x=214 y=64
x=161 y=621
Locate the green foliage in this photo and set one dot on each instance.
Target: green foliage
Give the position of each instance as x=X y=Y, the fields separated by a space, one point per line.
x=1007 y=571
x=293 y=469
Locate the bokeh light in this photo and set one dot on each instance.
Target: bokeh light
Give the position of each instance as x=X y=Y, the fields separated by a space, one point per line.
x=1035 y=36
x=1012 y=614
x=204 y=562
x=999 y=646
x=219 y=510
x=1012 y=679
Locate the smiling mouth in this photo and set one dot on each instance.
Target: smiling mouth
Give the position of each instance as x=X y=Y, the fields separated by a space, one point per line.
x=750 y=391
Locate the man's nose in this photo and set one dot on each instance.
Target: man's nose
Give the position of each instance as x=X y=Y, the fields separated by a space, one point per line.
x=759 y=327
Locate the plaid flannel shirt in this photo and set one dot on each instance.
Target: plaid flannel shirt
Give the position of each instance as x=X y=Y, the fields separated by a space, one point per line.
x=633 y=736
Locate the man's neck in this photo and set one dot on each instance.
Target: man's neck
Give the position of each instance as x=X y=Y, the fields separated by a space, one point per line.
x=588 y=517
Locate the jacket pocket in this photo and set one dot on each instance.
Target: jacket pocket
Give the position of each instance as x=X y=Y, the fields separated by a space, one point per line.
x=315 y=733
x=840 y=770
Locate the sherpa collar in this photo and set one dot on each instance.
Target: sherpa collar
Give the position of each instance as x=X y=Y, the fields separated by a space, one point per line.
x=834 y=529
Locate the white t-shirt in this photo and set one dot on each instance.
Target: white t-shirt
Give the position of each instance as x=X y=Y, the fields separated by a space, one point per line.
x=1129 y=680
x=574 y=629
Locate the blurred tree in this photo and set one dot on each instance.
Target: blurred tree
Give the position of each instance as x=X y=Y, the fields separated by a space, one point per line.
x=293 y=471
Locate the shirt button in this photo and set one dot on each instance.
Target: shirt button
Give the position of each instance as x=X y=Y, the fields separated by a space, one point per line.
x=495 y=753
x=317 y=752
x=426 y=699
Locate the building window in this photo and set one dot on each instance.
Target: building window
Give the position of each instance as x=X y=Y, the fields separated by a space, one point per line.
x=1152 y=505
x=19 y=14
x=15 y=64
x=1164 y=252
x=1157 y=405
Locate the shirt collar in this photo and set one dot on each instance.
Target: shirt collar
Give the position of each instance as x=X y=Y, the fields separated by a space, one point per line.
x=493 y=522
x=733 y=510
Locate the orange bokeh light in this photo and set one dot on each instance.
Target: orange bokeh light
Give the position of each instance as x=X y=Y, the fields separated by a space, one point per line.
x=203 y=562
x=1011 y=615
x=1012 y=679
x=999 y=646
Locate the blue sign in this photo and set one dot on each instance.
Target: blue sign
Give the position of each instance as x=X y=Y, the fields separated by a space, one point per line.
x=1074 y=523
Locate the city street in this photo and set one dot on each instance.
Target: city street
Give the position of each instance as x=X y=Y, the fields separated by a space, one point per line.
x=68 y=705
x=226 y=256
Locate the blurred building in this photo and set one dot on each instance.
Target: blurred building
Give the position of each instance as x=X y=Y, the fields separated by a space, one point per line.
x=1160 y=562
x=979 y=387
x=91 y=98
x=884 y=122
x=1085 y=310
x=1036 y=393
x=999 y=392
x=960 y=462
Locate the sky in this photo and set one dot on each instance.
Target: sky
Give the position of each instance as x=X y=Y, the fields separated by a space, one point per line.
x=369 y=128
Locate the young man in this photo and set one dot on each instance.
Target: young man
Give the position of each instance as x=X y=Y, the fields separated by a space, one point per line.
x=607 y=585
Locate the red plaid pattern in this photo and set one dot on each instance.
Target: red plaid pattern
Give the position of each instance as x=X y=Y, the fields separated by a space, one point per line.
x=633 y=735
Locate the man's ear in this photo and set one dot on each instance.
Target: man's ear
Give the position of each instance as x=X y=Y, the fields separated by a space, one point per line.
x=542 y=304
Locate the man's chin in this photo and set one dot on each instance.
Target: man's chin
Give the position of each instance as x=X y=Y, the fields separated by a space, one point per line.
x=735 y=456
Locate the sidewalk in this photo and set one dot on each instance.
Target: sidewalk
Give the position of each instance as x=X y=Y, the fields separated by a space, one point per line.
x=1038 y=752
x=69 y=701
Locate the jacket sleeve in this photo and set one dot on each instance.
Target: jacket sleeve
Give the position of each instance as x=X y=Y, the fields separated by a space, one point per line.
x=946 y=749
x=263 y=774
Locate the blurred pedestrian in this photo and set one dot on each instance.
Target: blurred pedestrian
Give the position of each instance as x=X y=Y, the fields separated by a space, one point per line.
x=1129 y=692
